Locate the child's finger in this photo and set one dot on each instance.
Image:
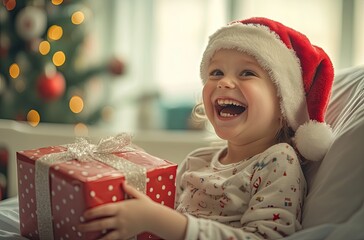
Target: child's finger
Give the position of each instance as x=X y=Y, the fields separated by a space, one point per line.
x=105 y=210
x=97 y=225
x=111 y=235
x=131 y=191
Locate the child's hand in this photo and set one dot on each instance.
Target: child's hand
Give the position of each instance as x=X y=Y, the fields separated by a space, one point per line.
x=125 y=219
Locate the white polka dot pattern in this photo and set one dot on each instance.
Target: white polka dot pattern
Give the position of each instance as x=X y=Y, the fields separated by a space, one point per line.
x=77 y=186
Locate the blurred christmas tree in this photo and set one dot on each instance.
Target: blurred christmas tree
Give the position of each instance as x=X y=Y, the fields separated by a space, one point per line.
x=43 y=62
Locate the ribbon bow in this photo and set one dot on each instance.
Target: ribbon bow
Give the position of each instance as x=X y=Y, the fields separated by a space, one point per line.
x=83 y=150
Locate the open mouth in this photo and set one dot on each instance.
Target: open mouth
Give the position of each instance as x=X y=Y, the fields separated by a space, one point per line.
x=229 y=107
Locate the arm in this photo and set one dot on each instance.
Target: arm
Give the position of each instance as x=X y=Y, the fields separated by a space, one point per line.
x=131 y=217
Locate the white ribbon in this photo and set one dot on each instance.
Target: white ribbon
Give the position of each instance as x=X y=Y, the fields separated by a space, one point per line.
x=83 y=151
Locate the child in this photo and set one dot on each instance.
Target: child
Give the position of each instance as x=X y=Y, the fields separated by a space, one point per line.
x=263 y=82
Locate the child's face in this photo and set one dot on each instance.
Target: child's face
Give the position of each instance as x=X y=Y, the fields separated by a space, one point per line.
x=240 y=99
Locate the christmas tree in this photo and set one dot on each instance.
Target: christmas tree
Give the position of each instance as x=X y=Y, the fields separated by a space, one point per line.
x=43 y=65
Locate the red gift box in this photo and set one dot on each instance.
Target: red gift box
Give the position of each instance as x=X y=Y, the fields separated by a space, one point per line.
x=79 y=185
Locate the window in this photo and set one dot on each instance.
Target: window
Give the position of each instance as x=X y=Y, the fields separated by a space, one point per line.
x=163 y=41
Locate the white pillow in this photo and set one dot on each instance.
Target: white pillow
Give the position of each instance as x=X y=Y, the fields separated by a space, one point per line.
x=336 y=185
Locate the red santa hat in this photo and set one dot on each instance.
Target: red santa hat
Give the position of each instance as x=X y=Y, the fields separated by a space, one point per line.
x=302 y=73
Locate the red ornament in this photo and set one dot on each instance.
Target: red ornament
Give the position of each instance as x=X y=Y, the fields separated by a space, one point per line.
x=116 y=66
x=50 y=87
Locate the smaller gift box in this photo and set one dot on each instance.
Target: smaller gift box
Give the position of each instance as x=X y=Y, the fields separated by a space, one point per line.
x=57 y=184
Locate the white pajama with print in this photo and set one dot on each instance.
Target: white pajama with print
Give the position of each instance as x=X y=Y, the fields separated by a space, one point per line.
x=256 y=198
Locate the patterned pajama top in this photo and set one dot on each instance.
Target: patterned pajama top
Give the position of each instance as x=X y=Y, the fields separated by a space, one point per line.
x=257 y=198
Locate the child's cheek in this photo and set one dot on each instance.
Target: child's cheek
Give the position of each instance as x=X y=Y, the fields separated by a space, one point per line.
x=207 y=100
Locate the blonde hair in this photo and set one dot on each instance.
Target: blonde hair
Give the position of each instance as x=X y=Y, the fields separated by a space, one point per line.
x=285 y=134
x=198 y=113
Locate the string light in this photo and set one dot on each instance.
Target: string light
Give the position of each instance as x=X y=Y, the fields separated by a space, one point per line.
x=57 y=2
x=76 y=104
x=77 y=17
x=44 y=47
x=33 y=118
x=81 y=129
x=59 y=58
x=14 y=70
x=55 y=32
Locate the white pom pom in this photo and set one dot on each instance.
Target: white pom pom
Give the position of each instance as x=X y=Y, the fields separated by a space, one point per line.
x=313 y=139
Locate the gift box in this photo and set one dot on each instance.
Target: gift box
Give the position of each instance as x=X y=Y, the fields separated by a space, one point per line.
x=57 y=184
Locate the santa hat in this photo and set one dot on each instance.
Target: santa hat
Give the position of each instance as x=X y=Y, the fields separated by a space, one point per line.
x=303 y=75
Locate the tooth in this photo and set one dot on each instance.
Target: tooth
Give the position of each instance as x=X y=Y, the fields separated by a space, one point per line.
x=224 y=102
x=227 y=115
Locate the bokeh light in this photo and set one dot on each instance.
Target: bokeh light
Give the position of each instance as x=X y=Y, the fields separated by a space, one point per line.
x=107 y=113
x=9 y=4
x=81 y=129
x=14 y=70
x=76 y=104
x=77 y=17
x=19 y=85
x=33 y=118
x=59 y=58
x=44 y=47
x=55 y=32
x=57 y=2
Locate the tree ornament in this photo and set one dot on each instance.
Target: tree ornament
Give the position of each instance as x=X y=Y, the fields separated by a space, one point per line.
x=31 y=22
x=9 y=4
x=51 y=86
x=116 y=66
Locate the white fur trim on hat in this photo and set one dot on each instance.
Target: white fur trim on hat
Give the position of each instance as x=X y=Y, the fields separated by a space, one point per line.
x=313 y=139
x=273 y=55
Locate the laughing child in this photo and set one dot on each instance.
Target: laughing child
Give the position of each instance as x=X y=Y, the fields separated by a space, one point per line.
x=265 y=91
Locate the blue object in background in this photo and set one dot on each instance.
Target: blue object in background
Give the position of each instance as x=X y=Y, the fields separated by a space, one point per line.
x=178 y=117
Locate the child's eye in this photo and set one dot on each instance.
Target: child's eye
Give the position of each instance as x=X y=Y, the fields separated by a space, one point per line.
x=216 y=73
x=247 y=73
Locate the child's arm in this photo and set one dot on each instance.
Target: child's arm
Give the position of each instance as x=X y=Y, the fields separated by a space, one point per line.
x=131 y=217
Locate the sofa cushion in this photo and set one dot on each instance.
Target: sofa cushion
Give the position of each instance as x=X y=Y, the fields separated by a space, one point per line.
x=335 y=185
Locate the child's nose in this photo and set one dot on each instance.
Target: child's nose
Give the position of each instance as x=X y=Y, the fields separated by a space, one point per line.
x=226 y=82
